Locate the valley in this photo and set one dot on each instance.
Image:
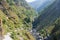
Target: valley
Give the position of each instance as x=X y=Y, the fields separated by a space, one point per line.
x=20 y=20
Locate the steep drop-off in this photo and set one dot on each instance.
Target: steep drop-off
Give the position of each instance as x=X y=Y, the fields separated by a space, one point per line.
x=48 y=23
x=17 y=18
x=48 y=16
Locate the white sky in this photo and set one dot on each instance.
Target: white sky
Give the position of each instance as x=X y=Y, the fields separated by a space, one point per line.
x=30 y=0
x=35 y=0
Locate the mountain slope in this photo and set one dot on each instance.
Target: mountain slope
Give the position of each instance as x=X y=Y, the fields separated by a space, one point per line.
x=39 y=4
x=48 y=23
x=56 y=31
x=48 y=16
x=16 y=19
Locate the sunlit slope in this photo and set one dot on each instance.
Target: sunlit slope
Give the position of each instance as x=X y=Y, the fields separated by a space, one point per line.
x=16 y=19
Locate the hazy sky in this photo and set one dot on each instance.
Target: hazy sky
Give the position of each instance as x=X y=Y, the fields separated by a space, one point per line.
x=30 y=0
x=39 y=0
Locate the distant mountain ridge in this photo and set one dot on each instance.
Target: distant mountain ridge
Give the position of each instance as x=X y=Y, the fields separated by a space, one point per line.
x=38 y=6
x=48 y=16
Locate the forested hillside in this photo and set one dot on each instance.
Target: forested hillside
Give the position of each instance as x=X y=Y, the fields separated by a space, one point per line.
x=48 y=16
x=55 y=33
x=39 y=5
x=48 y=23
x=17 y=17
x=21 y=22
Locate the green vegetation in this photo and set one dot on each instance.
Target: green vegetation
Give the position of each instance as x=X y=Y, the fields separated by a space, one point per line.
x=48 y=22
x=17 y=19
x=56 y=31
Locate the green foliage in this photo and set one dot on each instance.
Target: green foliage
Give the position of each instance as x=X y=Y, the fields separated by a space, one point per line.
x=48 y=16
x=11 y=2
x=27 y=20
x=14 y=17
x=56 y=31
x=17 y=19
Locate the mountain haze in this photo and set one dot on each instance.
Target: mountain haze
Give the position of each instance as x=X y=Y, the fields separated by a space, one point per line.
x=48 y=15
x=40 y=4
x=48 y=21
